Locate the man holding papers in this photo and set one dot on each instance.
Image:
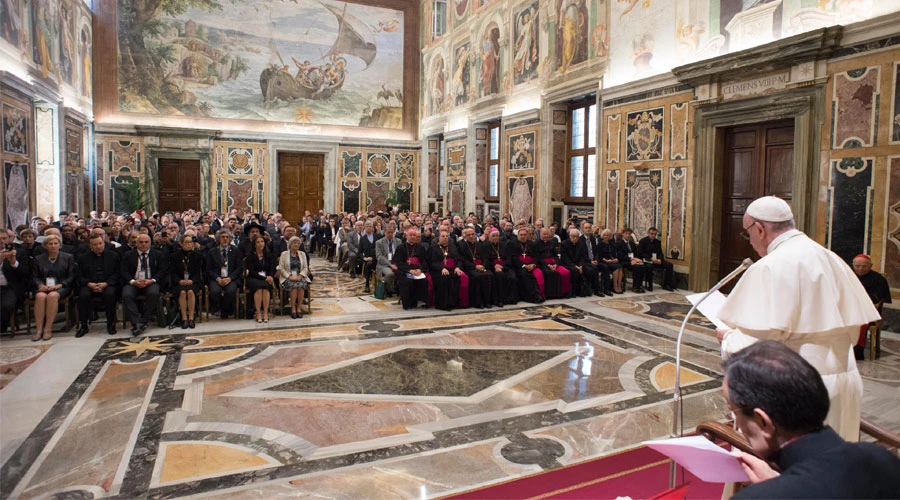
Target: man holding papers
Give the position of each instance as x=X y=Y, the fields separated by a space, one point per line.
x=780 y=402
x=804 y=296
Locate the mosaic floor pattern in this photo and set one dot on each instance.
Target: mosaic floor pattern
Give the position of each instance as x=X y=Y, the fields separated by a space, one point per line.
x=360 y=399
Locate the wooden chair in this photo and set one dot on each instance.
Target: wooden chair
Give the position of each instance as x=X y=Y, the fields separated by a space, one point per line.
x=875 y=335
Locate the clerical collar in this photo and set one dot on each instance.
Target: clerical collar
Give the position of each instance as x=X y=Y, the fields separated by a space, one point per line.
x=781 y=238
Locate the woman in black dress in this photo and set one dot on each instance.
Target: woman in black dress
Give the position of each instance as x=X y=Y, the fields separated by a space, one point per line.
x=260 y=269
x=187 y=275
x=609 y=255
x=54 y=275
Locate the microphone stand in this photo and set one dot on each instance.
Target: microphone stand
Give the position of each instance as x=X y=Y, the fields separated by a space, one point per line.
x=676 y=399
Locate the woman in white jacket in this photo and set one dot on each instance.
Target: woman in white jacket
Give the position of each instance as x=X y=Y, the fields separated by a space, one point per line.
x=293 y=269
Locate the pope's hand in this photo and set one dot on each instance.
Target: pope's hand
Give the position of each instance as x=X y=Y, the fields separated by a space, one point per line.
x=721 y=333
x=756 y=469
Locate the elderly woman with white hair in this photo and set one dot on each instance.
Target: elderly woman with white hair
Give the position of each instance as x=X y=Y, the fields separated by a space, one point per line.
x=293 y=269
x=54 y=275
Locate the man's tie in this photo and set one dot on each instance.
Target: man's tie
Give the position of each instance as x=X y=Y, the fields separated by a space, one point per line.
x=145 y=266
x=224 y=256
x=390 y=246
x=589 y=248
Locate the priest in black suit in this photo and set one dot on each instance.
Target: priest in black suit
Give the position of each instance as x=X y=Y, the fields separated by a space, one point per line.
x=476 y=289
x=99 y=273
x=523 y=256
x=412 y=262
x=446 y=271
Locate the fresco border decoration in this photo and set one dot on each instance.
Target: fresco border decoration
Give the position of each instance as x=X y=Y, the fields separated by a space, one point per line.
x=612 y=198
x=894 y=132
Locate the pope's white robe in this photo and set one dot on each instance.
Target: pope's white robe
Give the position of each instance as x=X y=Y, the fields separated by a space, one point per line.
x=805 y=296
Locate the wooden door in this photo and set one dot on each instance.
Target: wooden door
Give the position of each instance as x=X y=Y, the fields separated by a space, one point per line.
x=759 y=161
x=301 y=179
x=179 y=184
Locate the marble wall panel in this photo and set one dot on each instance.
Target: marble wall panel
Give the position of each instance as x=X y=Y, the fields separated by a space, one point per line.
x=74 y=143
x=434 y=179
x=892 y=236
x=45 y=125
x=405 y=165
x=117 y=186
x=378 y=165
x=351 y=163
x=678 y=131
x=583 y=213
x=376 y=194
x=613 y=138
x=677 y=213
x=124 y=155
x=17 y=191
x=558 y=188
x=644 y=135
x=521 y=198
x=895 y=106
x=612 y=199
x=239 y=161
x=481 y=173
x=350 y=193
x=73 y=191
x=456 y=196
x=643 y=200
x=239 y=195
x=849 y=219
x=456 y=158
x=47 y=185
x=239 y=164
x=521 y=147
x=854 y=107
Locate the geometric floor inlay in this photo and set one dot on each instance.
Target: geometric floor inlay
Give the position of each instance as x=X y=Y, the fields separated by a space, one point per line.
x=423 y=372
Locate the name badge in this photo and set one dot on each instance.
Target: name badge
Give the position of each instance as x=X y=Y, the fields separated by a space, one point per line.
x=654 y=255
x=50 y=281
x=187 y=276
x=630 y=255
x=223 y=272
x=293 y=272
x=141 y=275
x=390 y=256
x=262 y=274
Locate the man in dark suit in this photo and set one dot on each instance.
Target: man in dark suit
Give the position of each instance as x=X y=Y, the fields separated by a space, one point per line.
x=14 y=274
x=650 y=251
x=573 y=256
x=780 y=403
x=367 y=251
x=595 y=271
x=223 y=274
x=144 y=274
x=627 y=251
x=99 y=272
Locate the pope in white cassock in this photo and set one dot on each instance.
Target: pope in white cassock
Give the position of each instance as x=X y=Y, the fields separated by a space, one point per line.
x=805 y=296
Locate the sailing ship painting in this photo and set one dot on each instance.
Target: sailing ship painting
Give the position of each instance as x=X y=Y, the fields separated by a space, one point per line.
x=312 y=62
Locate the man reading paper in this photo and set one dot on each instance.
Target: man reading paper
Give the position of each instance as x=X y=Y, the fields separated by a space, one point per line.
x=805 y=296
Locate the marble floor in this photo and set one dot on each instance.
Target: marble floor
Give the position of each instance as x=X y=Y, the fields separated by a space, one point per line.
x=360 y=399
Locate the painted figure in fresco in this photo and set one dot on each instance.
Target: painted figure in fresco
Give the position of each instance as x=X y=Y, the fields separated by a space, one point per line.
x=461 y=76
x=571 y=33
x=642 y=47
x=600 y=40
x=66 y=44
x=490 y=55
x=521 y=200
x=86 y=77
x=526 y=59
x=44 y=29
x=630 y=4
x=461 y=6
x=10 y=20
x=437 y=87
x=16 y=194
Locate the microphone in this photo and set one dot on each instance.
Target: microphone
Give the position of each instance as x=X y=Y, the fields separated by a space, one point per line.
x=676 y=399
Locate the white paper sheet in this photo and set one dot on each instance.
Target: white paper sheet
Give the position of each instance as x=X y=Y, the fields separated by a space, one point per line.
x=710 y=307
x=702 y=458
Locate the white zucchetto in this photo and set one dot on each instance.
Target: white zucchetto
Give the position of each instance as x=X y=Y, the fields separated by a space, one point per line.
x=770 y=209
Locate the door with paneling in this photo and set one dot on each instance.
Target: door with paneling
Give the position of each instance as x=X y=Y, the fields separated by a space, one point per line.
x=759 y=161
x=179 y=184
x=301 y=178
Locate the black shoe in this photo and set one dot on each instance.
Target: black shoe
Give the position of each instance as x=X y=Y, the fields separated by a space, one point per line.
x=859 y=352
x=111 y=329
x=191 y=324
x=608 y=293
x=353 y=276
x=82 y=331
x=368 y=290
x=141 y=327
x=293 y=315
x=299 y=315
x=638 y=290
x=669 y=288
x=184 y=324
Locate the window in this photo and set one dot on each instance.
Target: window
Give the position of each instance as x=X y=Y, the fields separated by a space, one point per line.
x=441 y=167
x=581 y=154
x=493 y=180
x=440 y=18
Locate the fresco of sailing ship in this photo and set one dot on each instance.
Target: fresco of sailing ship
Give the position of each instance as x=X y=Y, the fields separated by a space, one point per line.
x=321 y=80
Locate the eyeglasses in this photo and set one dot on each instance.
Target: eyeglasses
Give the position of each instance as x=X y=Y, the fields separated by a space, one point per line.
x=746 y=232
